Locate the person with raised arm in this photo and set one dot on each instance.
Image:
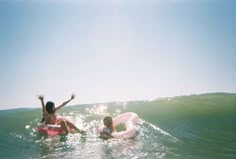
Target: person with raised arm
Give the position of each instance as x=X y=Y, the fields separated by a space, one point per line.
x=49 y=115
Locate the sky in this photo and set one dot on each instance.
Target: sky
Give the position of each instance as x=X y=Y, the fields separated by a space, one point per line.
x=114 y=50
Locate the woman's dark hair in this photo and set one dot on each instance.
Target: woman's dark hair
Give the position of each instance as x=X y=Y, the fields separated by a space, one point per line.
x=49 y=107
x=107 y=120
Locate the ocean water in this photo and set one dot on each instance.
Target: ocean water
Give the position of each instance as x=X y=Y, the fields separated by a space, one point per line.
x=184 y=127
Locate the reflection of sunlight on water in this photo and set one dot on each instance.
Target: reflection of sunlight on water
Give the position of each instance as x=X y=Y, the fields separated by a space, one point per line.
x=97 y=109
x=149 y=141
x=124 y=105
x=125 y=148
x=118 y=111
x=97 y=148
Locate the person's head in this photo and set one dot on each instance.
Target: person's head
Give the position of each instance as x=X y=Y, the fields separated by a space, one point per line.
x=107 y=121
x=50 y=107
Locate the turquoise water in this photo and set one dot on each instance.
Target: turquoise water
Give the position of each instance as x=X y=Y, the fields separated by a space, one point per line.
x=184 y=127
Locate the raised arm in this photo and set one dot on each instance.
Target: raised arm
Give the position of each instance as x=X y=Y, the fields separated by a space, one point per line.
x=40 y=97
x=66 y=102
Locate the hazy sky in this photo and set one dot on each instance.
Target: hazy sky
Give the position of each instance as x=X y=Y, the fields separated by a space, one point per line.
x=112 y=50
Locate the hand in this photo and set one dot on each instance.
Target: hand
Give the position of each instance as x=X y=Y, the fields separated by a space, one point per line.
x=83 y=132
x=72 y=96
x=40 y=97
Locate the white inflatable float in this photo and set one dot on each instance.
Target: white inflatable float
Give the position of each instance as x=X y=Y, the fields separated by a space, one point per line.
x=129 y=119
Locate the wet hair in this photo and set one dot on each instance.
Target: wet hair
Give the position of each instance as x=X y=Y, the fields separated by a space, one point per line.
x=107 y=120
x=49 y=107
